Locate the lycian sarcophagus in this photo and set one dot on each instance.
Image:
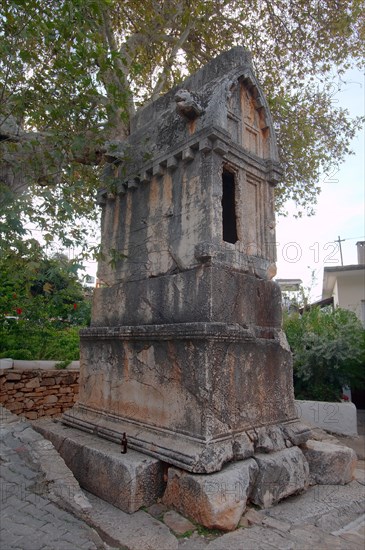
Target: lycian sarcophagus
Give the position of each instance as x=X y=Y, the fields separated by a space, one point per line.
x=186 y=353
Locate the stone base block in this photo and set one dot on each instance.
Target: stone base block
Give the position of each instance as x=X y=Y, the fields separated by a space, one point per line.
x=281 y=474
x=329 y=464
x=128 y=481
x=217 y=500
x=197 y=455
x=195 y=395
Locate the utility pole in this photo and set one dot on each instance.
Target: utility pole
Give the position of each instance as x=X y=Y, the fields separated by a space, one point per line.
x=339 y=241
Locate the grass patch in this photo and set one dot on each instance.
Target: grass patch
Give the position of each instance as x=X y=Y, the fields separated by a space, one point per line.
x=205 y=532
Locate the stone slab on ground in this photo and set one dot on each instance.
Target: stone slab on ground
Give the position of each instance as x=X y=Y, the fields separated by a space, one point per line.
x=329 y=507
x=195 y=542
x=177 y=523
x=253 y=538
x=329 y=464
x=281 y=474
x=357 y=526
x=304 y=537
x=128 y=481
x=355 y=443
x=157 y=510
x=131 y=531
x=217 y=500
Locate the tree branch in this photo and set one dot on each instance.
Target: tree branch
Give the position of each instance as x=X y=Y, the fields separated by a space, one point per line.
x=168 y=64
x=112 y=77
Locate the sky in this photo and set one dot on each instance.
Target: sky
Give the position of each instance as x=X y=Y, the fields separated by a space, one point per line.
x=306 y=245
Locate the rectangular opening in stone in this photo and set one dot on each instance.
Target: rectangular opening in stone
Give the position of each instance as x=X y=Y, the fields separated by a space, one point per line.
x=229 y=207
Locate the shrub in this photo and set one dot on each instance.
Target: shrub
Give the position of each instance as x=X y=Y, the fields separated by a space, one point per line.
x=17 y=354
x=29 y=340
x=328 y=351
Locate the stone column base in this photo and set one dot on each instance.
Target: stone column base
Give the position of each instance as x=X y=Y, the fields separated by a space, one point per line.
x=185 y=451
x=217 y=500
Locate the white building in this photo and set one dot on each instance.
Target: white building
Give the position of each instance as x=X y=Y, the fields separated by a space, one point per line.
x=346 y=284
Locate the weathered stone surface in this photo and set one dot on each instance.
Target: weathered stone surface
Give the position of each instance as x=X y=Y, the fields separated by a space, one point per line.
x=279 y=525
x=216 y=500
x=268 y=439
x=161 y=222
x=255 y=538
x=243 y=447
x=13 y=376
x=157 y=510
x=131 y=531
x=205 y=293
x=178 y=523
x=281 y=474
x=297 y=432
x=254 y=517
x=330 y=507
x=33 y=383
x=178 y=379
x=128 y=481
x=329 y=464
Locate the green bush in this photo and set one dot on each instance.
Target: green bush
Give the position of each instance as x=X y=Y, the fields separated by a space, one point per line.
x=17 y=354
x=328 y=351
x=65 y=346
x=31 y=341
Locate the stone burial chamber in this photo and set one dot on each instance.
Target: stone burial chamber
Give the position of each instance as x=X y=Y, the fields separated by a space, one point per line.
x=185 y=353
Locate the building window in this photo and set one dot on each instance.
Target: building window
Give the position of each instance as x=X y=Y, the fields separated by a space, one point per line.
x=229 y=208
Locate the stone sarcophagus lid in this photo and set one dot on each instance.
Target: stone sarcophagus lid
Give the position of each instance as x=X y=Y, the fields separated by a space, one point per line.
x=185 y=352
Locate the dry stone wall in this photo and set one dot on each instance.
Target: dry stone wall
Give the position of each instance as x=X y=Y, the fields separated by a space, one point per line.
x=36 y=393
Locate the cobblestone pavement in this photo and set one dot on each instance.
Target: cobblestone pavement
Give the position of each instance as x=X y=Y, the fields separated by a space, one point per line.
x=29 y=519
x=43 y=508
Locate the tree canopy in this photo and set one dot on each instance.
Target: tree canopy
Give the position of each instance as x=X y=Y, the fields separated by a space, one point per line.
x=74 y=71
x=39 y=288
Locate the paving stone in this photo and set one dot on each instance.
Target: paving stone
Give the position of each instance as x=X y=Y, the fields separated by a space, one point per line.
x=9 y=538
x=353 y=538
x=273 y=523
x=32 y=521
x=157 y=509
x=178 y=523
x=254 y=517
x=309 y=537
x=255 y=538
x=133 y=531
x=356 y=527
x=194 y=542
x=328 y=506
